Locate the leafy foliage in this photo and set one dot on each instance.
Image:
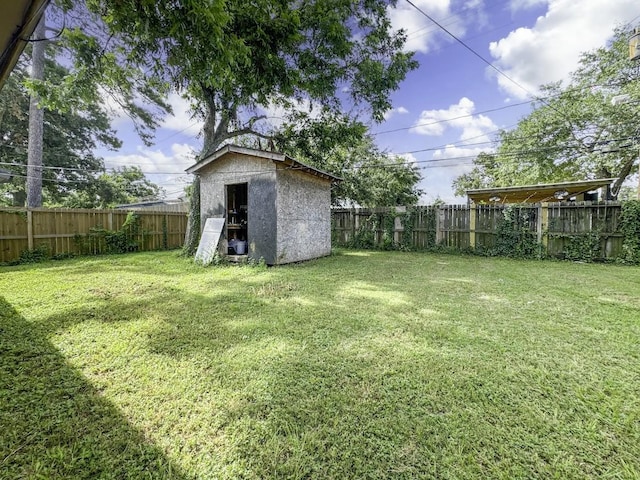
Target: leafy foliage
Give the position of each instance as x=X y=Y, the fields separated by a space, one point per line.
x=69 y=140
x=630 y=226
x=193 y=223
x=232 y=57
x=120 y=186
x=73 y=175
x=583 y=248
x=124 y=240
x=100 y=70
x=39 y=254
x=514 y=238
x=574 y=132
x=343 y=147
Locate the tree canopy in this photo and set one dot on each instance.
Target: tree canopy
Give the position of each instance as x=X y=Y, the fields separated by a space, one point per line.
x=73 y=175
x=120 y=186
x=576 y=131
x=237 y=60
x=69 y=140
x=342 y=146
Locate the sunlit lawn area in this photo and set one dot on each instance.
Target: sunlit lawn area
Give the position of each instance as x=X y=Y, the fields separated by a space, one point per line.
x=360 y=365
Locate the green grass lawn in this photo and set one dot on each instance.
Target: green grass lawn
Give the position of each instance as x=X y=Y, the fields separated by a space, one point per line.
x=360 y=365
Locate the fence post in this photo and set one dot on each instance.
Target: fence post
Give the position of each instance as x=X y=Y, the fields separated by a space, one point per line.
x=543 y=225
x=398 y=226
x=439 y=224
x=29 y=229
x=472 y=226
x=110 y=221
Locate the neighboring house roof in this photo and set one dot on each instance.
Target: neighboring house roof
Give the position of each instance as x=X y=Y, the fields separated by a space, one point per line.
x=161 y=205
x=546 y=192
x=18 y=20
x=273 y=156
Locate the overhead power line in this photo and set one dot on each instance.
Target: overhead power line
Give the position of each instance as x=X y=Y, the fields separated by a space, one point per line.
x=457 y=39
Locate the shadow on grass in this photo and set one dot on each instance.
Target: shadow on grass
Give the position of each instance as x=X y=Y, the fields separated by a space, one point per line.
x=342 y=373
x=54 y=424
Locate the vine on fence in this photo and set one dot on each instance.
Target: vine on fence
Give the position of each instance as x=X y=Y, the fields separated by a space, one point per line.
x=583 y=248
x=363 y=236
x=388 y=222
x=408 y=221
x=630 y=227
x=514 y=234
x=120 y=241
x=513 y=237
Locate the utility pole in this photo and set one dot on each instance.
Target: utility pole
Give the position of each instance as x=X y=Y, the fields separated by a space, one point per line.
x=36 y=122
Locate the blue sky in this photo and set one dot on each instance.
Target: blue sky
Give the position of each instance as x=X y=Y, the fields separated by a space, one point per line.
x=438 y=118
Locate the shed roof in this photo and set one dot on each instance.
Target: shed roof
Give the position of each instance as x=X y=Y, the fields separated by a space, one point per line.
x=18 y=20
x=276 y=157
x=545 y=192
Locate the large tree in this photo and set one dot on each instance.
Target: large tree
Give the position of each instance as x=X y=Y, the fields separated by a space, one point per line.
x=120 y=186
x=585 y=129
x=83 y=42
x=342 y=146
x=236 y=59
x=69 y=139
x=72 y=174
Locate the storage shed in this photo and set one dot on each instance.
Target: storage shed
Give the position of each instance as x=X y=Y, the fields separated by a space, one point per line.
x=273 y=206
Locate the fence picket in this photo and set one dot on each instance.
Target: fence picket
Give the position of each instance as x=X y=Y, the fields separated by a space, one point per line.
x=554 y=225
x=25 y=229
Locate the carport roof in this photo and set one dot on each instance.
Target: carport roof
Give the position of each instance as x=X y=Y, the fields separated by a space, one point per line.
x=545 y=192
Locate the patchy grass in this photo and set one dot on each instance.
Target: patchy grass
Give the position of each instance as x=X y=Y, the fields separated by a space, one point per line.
x=360 y=365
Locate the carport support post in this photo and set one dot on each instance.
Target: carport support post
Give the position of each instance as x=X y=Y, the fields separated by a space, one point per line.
x=472 y=226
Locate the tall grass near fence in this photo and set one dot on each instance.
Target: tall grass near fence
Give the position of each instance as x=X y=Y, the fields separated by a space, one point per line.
x=586 y=231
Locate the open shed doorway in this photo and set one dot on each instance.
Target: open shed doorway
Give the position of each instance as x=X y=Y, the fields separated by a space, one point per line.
x=237 y=219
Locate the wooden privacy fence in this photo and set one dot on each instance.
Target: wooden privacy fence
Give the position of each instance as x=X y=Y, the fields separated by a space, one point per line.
x=59 y=230
x=555 y=227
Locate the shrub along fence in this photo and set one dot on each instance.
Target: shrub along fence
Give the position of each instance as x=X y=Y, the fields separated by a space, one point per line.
x=60 y=232
x=577 y=231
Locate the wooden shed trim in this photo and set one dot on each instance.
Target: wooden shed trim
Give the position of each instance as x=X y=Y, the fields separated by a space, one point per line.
x=278 y=158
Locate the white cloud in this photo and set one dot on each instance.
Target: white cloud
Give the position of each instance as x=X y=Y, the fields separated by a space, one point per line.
x=394 y=111
x=459 y=116
x=408 y=158
x=460 y=153
x=181 y=120
x=549 y=51
x=422 y=34
x=517 y=5
x=151 y=161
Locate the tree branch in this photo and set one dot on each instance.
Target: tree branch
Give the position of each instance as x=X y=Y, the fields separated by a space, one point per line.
x=624 y=173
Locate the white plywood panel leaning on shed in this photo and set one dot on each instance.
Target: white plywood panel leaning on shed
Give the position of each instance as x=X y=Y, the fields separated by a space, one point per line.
x=209 y=240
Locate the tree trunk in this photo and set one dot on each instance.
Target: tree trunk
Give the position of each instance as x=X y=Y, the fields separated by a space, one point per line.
x=211 y=140
x=192 y=235
x=622 y=176
x=36 y=123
